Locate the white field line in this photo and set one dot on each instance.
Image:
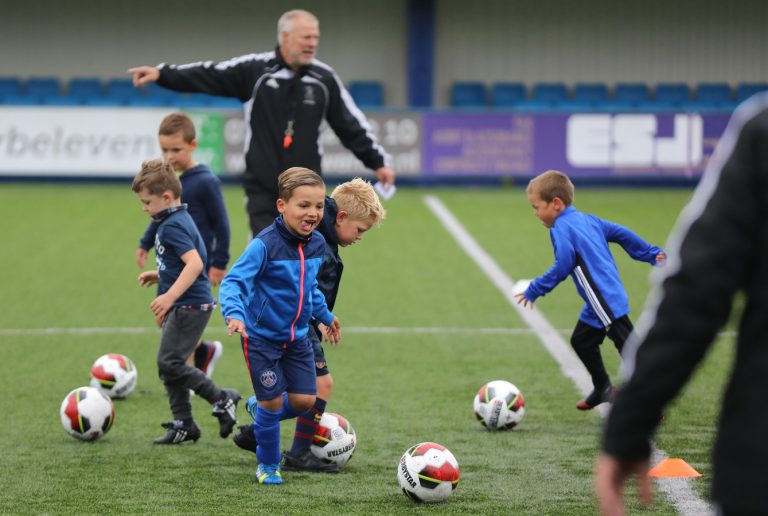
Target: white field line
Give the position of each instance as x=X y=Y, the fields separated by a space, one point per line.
x=678 y=491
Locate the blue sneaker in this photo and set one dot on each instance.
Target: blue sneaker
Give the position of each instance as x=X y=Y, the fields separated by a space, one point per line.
x=250 y=406
x=269 y=474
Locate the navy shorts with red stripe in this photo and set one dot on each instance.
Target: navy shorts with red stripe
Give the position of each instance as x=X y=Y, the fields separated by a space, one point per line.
x=277 y=368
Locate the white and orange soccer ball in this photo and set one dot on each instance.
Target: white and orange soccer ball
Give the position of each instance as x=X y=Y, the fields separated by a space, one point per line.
x=334 y=440
x=428 y=472
x=115 y=375
x=499 y=405
x=87 y=413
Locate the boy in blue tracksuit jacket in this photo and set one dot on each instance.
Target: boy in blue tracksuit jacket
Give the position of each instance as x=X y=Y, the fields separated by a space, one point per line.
x=269 y=296
x=580 y=243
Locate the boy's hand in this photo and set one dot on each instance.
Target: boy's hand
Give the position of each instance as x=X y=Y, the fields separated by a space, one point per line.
x=661 y=258
x=235 y=326
x=216 y=275
x=147 y=278
x=333 y=332
x=521 y=299
x=160 y=307
x=141 y=257
x=326 y=334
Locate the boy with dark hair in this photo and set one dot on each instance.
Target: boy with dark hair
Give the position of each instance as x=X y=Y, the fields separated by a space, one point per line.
x=351 y=210
x=268 y=297
x=183 y=304
x=580 y=243
x=201 y=192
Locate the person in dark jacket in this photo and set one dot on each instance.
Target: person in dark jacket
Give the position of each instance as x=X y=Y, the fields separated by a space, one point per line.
x=352 y=209
x=580 y=242
x=201 y=192
x=718 y=249
x=287 y=94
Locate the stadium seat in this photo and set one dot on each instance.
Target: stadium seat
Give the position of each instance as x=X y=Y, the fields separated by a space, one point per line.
x=718 y=93
x=42 y=86
x=746 y=90
x=595 y=92
x=367 y=93
x=652 y=106
x=121 y=88
x=507 y=94
x=535 y=105
x=574 y=105
x=83 y=87
x=10 y=86
x=631 y=92
x=226 y=103
x=550 y=92
x=673 y=92
x=22 y=100
x=148 y=101
x=62 y=100
x=612 y=106
x=468 y=95
x=155 y=91
x=105 y=101
x=189 y=100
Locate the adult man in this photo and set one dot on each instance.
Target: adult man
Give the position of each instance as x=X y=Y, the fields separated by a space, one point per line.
x=287 y=94
x=718 y=249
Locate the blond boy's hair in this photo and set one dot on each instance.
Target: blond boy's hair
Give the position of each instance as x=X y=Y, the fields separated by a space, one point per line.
x=178 y=123
x=358 y=198
x=294 y=177
x=551 y=184
x=157 y=176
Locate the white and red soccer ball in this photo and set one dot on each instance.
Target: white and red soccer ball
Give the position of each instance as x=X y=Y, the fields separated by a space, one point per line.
x=428 y=472
x=87 y=413
x=499 y=405
x=334 y=440
x=115 y=375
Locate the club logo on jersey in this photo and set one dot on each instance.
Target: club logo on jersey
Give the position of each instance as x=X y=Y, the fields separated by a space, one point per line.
x=319 y=365
x=268 y=378
x=309 y=95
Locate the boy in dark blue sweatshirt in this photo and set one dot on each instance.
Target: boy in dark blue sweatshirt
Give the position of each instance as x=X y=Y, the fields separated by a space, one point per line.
x=201 y=192
x=183 y=304
x=580 y=243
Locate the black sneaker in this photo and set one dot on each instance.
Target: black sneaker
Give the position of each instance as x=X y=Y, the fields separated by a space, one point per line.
x=177 y=433
x=306 y=461
x=597 y=397
x=226 y=411
x=245 y=439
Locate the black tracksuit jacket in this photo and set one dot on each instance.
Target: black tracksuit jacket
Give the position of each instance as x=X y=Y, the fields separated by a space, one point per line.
x=719 y=248
x=273 y=95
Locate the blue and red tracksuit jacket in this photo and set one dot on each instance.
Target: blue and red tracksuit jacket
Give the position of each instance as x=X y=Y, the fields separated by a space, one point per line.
x=272 y=287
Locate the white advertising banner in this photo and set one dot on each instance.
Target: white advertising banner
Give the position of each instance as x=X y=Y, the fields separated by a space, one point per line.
x=55 y=141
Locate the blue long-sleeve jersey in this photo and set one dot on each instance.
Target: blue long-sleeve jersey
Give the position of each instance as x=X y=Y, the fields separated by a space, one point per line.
x=272 y=287
x=201 y=192
x=580 y=243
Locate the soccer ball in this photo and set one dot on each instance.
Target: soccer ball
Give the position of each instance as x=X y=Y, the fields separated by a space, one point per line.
x=334 y=440
x=114 y=375
x=499 y=405
x=87 y=413
x=428 y=472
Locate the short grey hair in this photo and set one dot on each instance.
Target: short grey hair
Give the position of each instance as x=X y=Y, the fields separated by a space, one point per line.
x=285 y=23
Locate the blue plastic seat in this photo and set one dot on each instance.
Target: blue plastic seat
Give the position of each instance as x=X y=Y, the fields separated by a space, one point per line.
x=747 y=89
x=226 y=103
x=535 y=105
x=10 y=86
x=507 y=94
x=468 y=95
x=148 y=101
x=367 y=93
x=43 y=86
x=83 y=87
x=104 y=101
x=595 y=92
x=673 y=92
x=23 y=99
x=62 y=100
x=657 y=105
x=190 y=100
x=631 y=92
x=574 y=105
x=154 y=90
x=121 y=88
x=716 y=92
x=613 y=106
x=550 y=91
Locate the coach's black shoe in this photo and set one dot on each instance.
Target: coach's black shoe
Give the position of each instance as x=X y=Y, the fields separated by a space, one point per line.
x=245 y=439
x=177 y=433
x=306 y=461
x=226 y=411
x=597 y=397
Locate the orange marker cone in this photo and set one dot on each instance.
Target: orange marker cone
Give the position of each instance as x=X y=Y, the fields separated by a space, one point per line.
x=673 y=468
